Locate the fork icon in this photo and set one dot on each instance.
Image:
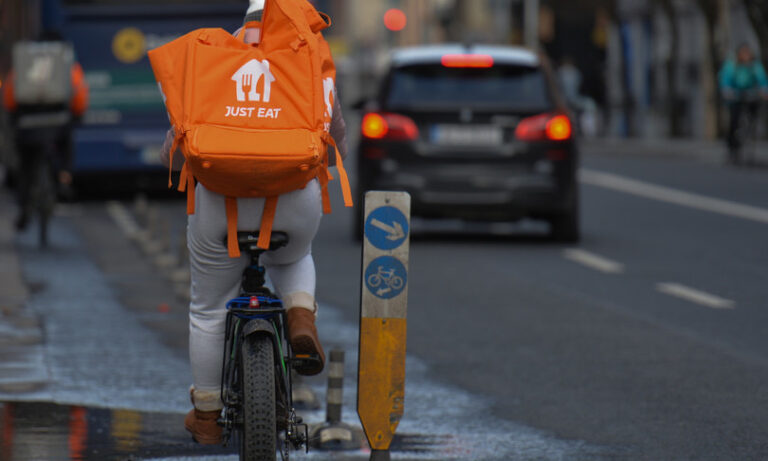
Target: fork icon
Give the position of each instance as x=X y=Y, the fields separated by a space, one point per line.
x=248 y=87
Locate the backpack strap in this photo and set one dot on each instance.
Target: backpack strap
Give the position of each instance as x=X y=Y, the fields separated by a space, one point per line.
x=346 y=190
x=324 y=177
x=187 y=183
x=178 y=134
x=267 y=219
x=232 y=246
x=265 y=231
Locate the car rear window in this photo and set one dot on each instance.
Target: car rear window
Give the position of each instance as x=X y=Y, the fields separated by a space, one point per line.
x=504 y=87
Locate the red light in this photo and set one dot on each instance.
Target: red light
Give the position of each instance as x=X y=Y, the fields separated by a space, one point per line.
x=559 y=128
x=395 y=20
x=544 y=127
x=389 y=126
x=254 y=304
x=467 y=60
x=374 y=126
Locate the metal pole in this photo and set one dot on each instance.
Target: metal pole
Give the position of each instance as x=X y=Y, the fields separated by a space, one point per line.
x=531 y=23
x=335 y=387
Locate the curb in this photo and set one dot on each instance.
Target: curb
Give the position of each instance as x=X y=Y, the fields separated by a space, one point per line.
x=21 y=330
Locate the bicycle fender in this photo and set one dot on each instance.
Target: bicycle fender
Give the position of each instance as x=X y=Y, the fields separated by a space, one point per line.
x=258 y=326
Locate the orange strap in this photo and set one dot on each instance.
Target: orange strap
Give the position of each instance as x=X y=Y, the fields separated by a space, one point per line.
x=346 y=190
x=267 y=218
x=324 y=177
x=174 y=146
x=232 y=246
x=187 y=184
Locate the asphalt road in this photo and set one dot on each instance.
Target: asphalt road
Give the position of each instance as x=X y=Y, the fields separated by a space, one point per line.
x=646 y=341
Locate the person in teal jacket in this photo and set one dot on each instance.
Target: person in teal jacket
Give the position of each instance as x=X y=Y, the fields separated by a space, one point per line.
x=743 y=83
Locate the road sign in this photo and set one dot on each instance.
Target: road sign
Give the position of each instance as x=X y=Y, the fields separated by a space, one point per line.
x=386 y=228
x=383 y=311
x=386 y=277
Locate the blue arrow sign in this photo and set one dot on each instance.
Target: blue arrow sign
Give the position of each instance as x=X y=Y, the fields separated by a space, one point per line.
x=386 y=277
x=386 y=228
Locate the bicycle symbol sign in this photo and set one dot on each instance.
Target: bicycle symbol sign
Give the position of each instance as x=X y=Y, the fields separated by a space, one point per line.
x=386 y=277
x=386 y=228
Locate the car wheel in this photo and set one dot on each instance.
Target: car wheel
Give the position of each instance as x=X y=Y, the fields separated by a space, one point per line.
x=565 y=228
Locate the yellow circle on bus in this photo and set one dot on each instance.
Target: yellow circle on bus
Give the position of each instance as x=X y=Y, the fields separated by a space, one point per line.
x=129 y=45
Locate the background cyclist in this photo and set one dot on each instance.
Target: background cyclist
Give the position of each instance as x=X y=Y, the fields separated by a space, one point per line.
x=742 y=83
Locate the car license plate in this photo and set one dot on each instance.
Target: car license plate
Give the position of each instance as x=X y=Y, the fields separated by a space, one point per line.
x=467 y=135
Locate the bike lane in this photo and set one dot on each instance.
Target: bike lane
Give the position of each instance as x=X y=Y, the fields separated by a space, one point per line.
x=121 y=392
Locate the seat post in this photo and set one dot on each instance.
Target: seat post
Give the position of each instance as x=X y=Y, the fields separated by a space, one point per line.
x=253 y=275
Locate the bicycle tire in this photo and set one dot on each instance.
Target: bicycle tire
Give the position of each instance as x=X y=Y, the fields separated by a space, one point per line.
x=397 y=283
x=258 y=438
x=44 y=196
x=374 y=280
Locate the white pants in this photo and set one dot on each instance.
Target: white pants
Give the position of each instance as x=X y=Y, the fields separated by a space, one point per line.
x=216 y=277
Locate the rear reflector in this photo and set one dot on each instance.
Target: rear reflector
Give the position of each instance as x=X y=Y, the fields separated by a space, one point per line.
x=467 y=60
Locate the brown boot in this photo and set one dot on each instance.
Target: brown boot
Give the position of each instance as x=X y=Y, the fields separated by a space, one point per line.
x=302 y=334
x=203 y=426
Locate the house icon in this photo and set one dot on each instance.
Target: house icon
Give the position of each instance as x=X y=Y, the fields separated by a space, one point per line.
x=248 y=77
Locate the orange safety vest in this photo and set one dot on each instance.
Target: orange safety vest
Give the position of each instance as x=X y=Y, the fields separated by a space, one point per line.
x=253 y=120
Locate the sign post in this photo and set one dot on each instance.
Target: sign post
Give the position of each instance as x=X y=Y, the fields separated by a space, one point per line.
x=383 y=311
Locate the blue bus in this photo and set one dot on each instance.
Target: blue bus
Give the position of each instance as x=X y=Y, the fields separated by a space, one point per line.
x=124 y=128
x=125 y=125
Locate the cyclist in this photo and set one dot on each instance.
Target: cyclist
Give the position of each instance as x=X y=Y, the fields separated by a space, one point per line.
x=215 y=277
x=37 y=126
x=742 y=81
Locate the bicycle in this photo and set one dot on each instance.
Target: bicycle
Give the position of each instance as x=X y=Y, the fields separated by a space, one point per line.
x=40 y=196
x=745 y=107
x=256 y=375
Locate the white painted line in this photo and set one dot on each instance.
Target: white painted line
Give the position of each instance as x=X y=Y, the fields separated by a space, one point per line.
x=123 y=218
x=695 y=296
x=593 y=261
x=674 y=196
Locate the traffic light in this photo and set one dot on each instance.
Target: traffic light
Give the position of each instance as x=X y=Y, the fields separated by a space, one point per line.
x=395 y=20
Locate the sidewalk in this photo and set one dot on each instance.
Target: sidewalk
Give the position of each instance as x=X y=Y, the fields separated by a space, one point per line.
x=21 y=331
x=715 y=150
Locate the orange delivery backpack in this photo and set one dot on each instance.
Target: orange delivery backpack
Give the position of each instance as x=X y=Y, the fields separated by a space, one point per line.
x=253 y=120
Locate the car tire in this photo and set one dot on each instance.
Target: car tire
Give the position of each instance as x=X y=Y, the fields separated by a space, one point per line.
x=565 y=228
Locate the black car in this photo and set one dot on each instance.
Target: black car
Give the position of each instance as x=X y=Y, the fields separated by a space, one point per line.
x=472 y=132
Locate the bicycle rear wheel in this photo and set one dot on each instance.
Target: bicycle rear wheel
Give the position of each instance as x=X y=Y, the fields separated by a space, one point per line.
x=43 y=197
x=258 y=440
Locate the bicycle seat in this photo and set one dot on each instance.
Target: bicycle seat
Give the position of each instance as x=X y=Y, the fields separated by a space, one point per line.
x=247 y=240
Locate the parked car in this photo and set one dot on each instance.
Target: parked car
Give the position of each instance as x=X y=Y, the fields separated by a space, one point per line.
x=472 y=132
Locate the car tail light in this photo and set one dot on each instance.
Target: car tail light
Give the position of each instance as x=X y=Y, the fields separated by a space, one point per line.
x=389 y=126
x=544 y=127
x=467 y=60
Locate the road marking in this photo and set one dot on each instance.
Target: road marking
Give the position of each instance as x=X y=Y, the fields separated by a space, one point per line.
x=695 y=296
x=674 y=196
x=593 y=261
x=123 y=218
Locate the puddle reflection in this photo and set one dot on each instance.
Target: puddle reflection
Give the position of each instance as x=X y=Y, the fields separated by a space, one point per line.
x=49 y=432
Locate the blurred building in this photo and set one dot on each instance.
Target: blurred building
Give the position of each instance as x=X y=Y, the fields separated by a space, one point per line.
x=662 y=64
